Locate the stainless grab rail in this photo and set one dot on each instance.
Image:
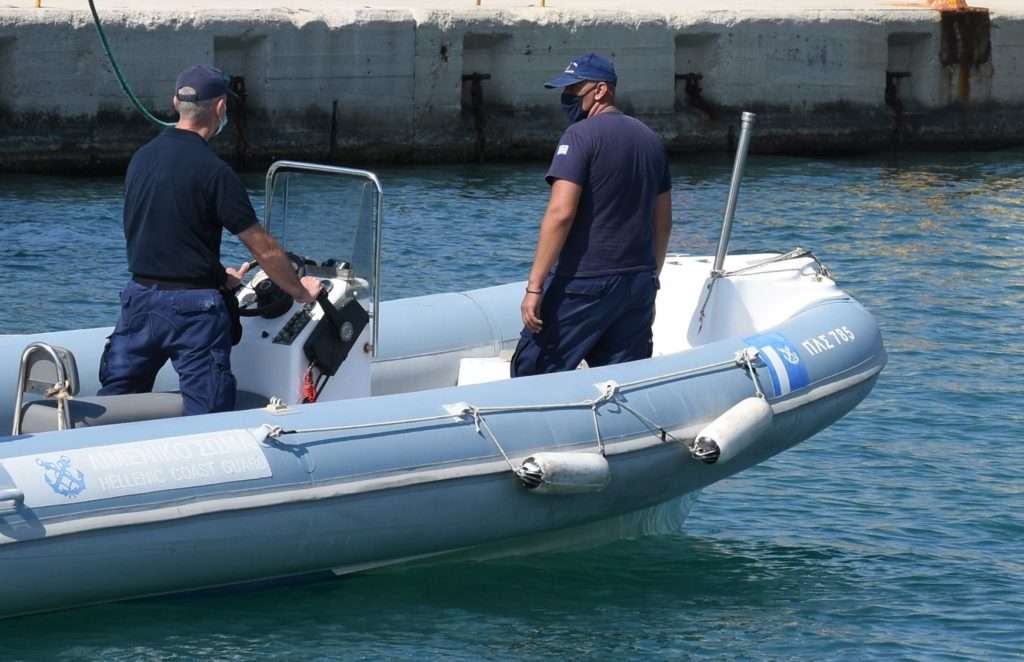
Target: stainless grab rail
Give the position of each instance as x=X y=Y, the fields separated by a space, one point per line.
x=13 y=495
x=19 y=397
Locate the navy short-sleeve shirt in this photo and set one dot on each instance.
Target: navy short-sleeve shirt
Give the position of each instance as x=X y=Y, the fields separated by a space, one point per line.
x=622 y=167
x=179 y=197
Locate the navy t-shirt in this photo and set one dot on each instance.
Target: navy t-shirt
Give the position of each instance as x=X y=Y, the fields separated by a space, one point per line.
x=179 y=196
x=622 y=167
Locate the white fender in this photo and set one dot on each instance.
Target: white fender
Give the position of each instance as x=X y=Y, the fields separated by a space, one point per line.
x=564 y=473
x=735 y=430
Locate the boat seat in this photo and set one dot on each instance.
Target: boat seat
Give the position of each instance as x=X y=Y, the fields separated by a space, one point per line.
x=477 y=370
x=41 y=415
x=52 y=373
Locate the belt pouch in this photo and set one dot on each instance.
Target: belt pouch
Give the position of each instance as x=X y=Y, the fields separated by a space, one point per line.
x=231 y=301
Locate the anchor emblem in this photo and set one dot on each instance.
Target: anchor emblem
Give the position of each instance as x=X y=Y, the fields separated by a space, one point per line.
x=788 y=354
x=60 y=479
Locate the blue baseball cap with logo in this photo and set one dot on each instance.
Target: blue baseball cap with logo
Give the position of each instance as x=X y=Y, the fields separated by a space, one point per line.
x=200 y=83
x=589 y=67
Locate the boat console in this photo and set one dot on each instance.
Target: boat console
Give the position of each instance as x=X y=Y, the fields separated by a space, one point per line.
x=320 y=351
x=288 y=353
x=325 y=346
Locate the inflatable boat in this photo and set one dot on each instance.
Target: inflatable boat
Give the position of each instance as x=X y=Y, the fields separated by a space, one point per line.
x=370 y=433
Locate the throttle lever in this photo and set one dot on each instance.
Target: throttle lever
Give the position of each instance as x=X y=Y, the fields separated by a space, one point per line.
x=330 y=312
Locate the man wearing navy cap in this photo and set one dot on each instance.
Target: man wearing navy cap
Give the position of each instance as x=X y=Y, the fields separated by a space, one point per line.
x=604 y=235
x=179 y=197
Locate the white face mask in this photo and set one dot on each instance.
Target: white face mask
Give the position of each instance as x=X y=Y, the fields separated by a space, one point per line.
x=223 y=123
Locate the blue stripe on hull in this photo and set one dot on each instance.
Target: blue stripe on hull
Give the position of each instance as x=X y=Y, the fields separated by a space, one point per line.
x=785 y=366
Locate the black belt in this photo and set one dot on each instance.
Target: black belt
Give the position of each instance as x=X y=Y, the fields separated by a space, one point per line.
x=163 y=284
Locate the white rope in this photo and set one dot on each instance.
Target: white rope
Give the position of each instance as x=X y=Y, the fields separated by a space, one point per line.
x=59 y=392
x=363 y=426
x=746 y=357
x=647 y=381
x=597 y=429
x=791 y=255
x=609 y=394
x=655 y=429
x=479 y=423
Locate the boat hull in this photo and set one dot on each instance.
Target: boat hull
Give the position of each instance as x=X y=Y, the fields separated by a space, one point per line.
x=332 y=536
x=368 y=482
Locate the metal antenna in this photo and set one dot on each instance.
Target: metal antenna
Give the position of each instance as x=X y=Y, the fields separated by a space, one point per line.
x=747 y=122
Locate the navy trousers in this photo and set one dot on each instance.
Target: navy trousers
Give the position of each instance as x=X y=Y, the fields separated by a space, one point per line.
x=603 y=319
x=191 y=328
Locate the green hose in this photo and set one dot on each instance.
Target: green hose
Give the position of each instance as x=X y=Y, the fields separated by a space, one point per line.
x=117 y=71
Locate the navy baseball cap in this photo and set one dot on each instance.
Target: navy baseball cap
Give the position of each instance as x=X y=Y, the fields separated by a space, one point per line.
x=205 y=82
x=588 y=67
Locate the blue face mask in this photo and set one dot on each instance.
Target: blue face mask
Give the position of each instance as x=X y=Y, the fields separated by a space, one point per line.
x=573 y=107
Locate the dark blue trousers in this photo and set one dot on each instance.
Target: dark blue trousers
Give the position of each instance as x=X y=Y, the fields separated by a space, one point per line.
x=603 y=319
x=191 y=328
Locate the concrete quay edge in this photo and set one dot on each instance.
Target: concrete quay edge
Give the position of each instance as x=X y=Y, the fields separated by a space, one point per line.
x=418 y=81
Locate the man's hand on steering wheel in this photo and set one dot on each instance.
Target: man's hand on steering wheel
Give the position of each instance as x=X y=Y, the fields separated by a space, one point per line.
x=271 y=299
x=312 y=287
x=235 y=276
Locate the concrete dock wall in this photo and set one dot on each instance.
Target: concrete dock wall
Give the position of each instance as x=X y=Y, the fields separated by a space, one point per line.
x=360 y=85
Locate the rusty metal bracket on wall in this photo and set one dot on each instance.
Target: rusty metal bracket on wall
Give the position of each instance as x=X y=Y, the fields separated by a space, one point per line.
x=476 y=97
x=333 y=147
x=694 y=93
x=238 y=112
x=894 y=101
x=965 y=45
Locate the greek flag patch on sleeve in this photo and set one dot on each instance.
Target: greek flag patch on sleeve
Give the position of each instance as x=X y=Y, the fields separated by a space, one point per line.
x=562 y=150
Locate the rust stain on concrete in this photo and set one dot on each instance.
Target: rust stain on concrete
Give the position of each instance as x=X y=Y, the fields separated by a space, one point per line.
x=966 y=44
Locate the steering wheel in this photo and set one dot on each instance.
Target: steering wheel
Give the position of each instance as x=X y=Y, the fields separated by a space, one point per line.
x=268 y=299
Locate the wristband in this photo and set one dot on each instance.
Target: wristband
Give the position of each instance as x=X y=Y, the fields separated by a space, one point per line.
x=529 y=291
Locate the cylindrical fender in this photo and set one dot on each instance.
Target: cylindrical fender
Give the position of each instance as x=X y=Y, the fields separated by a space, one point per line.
x=732 y=432
x=564 y=473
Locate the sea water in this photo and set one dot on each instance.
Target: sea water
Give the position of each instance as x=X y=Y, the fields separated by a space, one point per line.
x=897 y=533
